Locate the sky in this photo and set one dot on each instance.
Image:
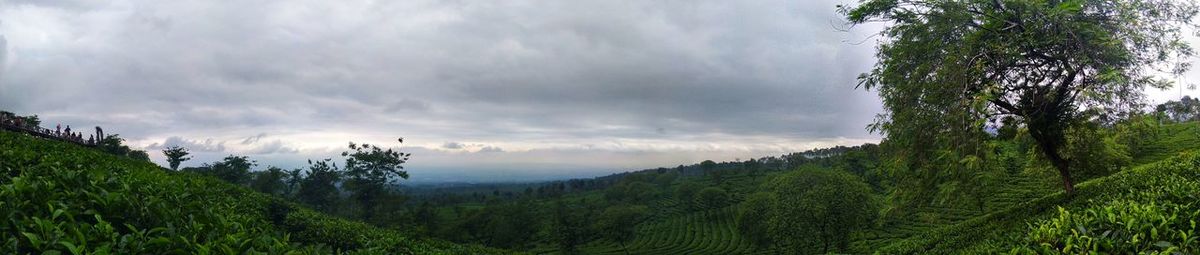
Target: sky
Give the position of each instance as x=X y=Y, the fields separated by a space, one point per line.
x=479 y=90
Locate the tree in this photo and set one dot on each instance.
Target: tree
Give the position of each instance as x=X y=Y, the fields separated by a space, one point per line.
x=686 y=192
x=568 y=229
x=319 y=187
x=176 y=155
x=710 y=168
x=427 y=219
x=369 y=169
x=114 y=144
x=752 y=166
x=666 y=178
x=712 y=198
x=294 y=178
x=232 y=169
x=270 y=181
x=752 y=219
x=946 y=68
x=819 y=208
x=617 y=223
x=1186 y=109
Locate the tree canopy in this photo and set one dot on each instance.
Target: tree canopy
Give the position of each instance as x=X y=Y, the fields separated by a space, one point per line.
x=947 y=69
x=176 y=155
x=817 y=208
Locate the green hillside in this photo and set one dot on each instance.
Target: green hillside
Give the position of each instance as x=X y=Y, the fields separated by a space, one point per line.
x=1018 y=199
x=1153 y=202
x=64 y=198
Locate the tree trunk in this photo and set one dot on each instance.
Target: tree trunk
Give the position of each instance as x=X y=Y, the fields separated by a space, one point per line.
x=1050 y=149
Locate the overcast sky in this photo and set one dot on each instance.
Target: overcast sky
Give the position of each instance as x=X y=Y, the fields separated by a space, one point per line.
x=480 y=90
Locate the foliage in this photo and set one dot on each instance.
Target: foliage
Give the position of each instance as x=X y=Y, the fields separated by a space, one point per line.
x=176 y=155
x=1157 y=197
x=369 y=169
x=752 y=217
x=60 y=198
x=617 y=223
x=319 y=186
x=948 y=67
x=270 y=181
x=819 y=208
x=712 y=197
x=687 y=191
x=1186 y=109
x=569 y=228
x=114 y=144
x=232 y=169
x=633 y=192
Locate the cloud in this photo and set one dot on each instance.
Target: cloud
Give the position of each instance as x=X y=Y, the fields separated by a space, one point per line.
x=669 y=77
x=453 y=145
x=272 y=147
x=486 y=149
x=253 y=139
x=407 y=105
x=207 y=145
x=3 y=56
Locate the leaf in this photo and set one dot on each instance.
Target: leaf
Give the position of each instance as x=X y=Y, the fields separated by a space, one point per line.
x=71 y=247
x=1163 y=244
x=33 y=239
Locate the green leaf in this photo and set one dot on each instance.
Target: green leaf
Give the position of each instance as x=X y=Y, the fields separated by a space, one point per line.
x=33 y=239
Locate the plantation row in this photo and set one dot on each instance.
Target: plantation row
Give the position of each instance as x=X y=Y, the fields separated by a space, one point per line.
x=707 y=232
x=1150 y=209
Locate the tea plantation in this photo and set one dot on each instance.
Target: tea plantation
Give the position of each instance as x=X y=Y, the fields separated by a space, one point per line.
x=61 y=198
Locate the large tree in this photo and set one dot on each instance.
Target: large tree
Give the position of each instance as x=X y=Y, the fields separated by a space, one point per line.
x=618 y=223
x=817 y=208
x=369 y=170
x=319 y=186
x=948 y=67
x=176 y=155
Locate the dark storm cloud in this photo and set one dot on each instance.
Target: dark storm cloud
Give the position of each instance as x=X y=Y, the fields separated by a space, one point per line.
x=501 y=73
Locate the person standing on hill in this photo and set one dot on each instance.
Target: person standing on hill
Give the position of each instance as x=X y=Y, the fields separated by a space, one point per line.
x=99 y=134
x=57 y=129
x=68 y=131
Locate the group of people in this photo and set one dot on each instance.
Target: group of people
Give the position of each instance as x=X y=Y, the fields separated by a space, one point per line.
x=11 y=121
x=74 y=136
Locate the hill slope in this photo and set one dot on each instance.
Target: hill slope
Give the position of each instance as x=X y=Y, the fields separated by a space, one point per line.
x=62 y=197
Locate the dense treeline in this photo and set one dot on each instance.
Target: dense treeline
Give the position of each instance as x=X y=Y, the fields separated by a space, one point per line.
x=364 y=187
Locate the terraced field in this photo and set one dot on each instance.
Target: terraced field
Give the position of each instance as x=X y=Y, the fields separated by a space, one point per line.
x=707 y=232
x=673 y=230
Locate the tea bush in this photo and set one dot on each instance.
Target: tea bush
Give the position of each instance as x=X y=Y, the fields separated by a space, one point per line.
x=58 y=198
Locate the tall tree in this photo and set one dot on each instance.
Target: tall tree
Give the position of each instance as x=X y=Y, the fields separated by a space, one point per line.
x=946 y=68
x=712 y=198
x=319 y=187
x=369 y=169
x=176 y=155
x=617 y=223
x=567 y=229
x=819 y=208
x=233 y=169
x=270 y=181
x=752 y=219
